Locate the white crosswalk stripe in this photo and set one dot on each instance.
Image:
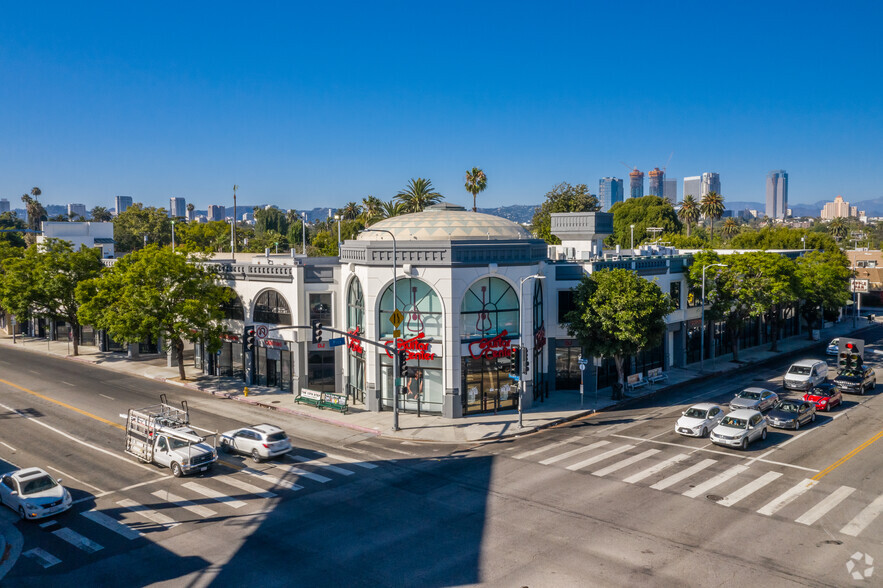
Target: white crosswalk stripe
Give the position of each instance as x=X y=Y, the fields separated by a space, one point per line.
x=304 y=473
x=714 y=482
x=111 y=524
x=213 y=494
x=547 y=447
x=749 y=489
x=573 y=452
x=251 y=488
x=44 y=558
x=683 y=474
x=787 y=497
x=184 y=503
x=864 y=518
x=362 y=464
x=77 y=540
x=823 y=507
x=601 y=457
x=328 y=466
x=625 y=463
x=276 y=481
x=656 y=468
x=147 y=513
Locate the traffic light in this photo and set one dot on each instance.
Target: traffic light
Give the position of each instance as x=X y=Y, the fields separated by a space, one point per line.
x=526 y=355
x=317 y=332
x=515 y=365
x=249 y=339
x=403 y=363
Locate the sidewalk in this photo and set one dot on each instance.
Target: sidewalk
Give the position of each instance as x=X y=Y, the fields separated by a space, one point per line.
x=560 y=407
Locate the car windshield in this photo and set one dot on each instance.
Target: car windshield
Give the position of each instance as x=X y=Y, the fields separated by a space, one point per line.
x=787 y=407
x=749 y=395
x=734 y=422
x=800 y=370
x=850 y=374
x=820 y=392
x=177 y=443
x=44 y=482
x=834 y=343
x=280 y=436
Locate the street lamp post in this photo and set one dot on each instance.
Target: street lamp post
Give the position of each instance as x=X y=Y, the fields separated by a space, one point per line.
x=803 y=242
x=632 y=227
x=173 y=236
x=702 y=320
x=524 y=347
x=304 y=232
x=395 y=340
x=339 y=237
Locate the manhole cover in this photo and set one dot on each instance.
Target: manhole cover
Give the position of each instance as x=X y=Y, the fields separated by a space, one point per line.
x=714 y=497
x=275 y=402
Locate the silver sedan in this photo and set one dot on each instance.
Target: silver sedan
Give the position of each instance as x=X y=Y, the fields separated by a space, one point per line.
x=759 y=399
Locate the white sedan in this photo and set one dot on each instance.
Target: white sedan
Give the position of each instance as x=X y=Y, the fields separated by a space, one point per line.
x=699 y=419
x=33 y=493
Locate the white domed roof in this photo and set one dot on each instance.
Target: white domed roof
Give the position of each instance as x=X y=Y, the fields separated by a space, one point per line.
x=443 y=222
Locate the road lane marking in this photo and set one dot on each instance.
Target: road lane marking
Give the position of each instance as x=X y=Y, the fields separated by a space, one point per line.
x=600 y=457
x=237 y=483
x=147 y=513
x=675 y=478
x=787 y=497
x=77 y=540
x=547 y=447
x=272 y=479
x=848 y=456
x=111 y=524
x=106 y=396
x=304 y=473
x=48 y=524
x=714 y=482
x=655 y=469
x=356 y=462
x=625 y=463
x=822 y=508
x=68 y=383
x=749 y=489
x=65 y=405
x=376 y=446
x=7 y=445
x=328 y=466
x=214 y=494
x=184 y=503
x=864 y=518
x=49 y=467
x=45 y=559
x=573 y=452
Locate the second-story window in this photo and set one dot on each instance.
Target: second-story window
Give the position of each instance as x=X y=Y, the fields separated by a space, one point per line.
x=320 y=308
x=675 y=292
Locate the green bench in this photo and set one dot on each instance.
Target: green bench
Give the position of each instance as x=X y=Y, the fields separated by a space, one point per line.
x=310 y=397
x=323 y=400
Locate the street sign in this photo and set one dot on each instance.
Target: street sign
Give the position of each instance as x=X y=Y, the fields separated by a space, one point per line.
x=515 y=377
x=582 y=367
x=397 y=333
x=396 y=318
x=262 y=331
x=337 y=341
x=584 y=361
x=859 y=285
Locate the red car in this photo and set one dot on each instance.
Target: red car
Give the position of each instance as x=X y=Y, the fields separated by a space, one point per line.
x=824 y=396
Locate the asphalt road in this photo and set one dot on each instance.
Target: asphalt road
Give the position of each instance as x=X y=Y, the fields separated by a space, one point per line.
x=612 y=500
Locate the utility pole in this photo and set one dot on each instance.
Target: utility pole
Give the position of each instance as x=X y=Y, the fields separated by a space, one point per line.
x=233 y=225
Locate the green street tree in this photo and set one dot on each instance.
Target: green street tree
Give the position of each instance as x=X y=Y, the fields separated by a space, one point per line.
x=391 y=209
x=207 y=237
x=838 y=228
x=35 y=212
x=100 y=214
x=730 y=228
x=476 y=182
x=768 y=283
x=773 y=237
x=647 y=211
x=8 y=251
x=16 y=237
x=823 y=284
x=43 y=282
x=689 y=212
x=132 y=225
x=371 y=210
x=562 y=198
x=270 y=219
x=617 y=314
x=418 y=194
x=712 y=206
x=154 y=293
x=351 y=211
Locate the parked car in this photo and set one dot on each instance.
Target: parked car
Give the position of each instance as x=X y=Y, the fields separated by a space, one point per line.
x=833 y=347
x=824 y=396
x=759 y=399
x=33 y=493
x=699 y=419
x=739 y=428
x=805 y=374
x=856 y=380
x=260 y=441
x=790 y=414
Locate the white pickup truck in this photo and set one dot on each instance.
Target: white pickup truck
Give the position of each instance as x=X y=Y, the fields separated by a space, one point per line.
x=161 y=434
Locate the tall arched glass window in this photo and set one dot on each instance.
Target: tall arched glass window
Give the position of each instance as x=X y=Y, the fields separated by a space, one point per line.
x=490 y=306
x=355 y=306
x=355 y=323
x=420 y=306
x=233 y=309
x=271 y=307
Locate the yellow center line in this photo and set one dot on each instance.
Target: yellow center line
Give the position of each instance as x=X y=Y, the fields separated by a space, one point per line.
x=847 y=457
x=68 y=406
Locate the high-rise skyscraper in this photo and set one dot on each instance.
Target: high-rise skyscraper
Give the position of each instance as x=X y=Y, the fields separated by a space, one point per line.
x=122 y=203
x=4 y=205
x=177 y=207
x=609 y=192
x=76 y=210
x=777 y=194
x=657 y=176
x=636 y=183
x=216 y=212
x=711 y=182
x=693 y=187
x=670 y=190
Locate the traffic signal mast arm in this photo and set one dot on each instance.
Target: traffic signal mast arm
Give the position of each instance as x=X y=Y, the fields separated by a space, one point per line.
x=339 y=332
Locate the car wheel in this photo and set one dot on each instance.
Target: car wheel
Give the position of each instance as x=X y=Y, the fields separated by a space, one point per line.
x=796 y=426
x=21 y=513
x=225 y=447
x=256 y=456
x=763 y=435
x=176 y=469
x=704 y=432
x=744 y=443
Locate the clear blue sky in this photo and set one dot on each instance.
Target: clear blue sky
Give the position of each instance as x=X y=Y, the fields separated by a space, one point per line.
x=309 y=104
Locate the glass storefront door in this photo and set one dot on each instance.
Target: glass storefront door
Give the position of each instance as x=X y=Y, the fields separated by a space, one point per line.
x=488 y=385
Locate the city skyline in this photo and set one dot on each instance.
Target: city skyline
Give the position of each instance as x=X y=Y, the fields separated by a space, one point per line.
x=329 y=107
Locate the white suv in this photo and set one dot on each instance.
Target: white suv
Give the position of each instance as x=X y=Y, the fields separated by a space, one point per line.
x=260 y=441
x=739 y=428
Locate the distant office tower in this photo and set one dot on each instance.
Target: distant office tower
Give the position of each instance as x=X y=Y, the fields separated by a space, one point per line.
x=4 y=205
x=711 y=182
x=692 y=187
x=76 y=210
x=656 y=178
x=636 y=183
x=610 y=192
x=838 y=209
x=670 y=190
x=216 y=212
x=177 y=207
x=123 y=203
x=777 y=194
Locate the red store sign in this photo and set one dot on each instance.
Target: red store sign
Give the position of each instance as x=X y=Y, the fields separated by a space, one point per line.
x=416 y=348
x=354 y=344
x=491 y=348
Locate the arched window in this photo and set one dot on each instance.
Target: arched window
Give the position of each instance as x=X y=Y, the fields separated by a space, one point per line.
x=355 y=307
x=270 y=307
x=232 y=309
x=490 y=306
x=420 y=306
x=539 y=328
x=355 y=323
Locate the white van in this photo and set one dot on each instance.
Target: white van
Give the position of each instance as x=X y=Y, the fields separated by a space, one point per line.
x=805 y=374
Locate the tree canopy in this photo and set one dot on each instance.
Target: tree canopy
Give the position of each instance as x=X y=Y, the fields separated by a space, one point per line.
x=132 y=225
x=644 y=212
x=562 y=198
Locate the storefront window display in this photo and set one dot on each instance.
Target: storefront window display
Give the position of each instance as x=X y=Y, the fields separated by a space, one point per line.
x=540 y=384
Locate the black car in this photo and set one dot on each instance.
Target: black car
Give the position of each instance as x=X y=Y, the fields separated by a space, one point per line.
x=855 y=380
x=790 y=414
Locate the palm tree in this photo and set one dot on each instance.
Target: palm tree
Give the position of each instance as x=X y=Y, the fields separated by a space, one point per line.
x=101 y=215
x=689 y=212
x=476 y=182
x=391 y=209
x=838 y=228
x=35 y=211
x=190 y=209
x=351 y=211
x=712 y=207
x=730 y=228
x=418 y=195
x=371 y=206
